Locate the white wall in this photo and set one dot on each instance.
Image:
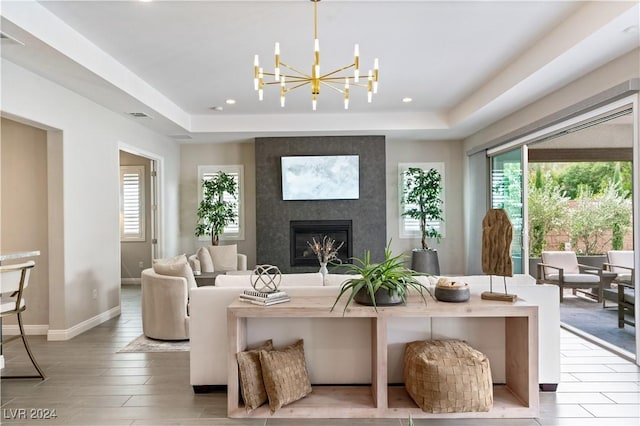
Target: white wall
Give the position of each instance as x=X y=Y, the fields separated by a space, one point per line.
x=450 y=253
x=24 y=207
x=88 y=201
x=194 y=155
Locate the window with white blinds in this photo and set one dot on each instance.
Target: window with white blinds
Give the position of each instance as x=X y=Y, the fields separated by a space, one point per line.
x=410 y=227
x=234 y=230
x=132 y=203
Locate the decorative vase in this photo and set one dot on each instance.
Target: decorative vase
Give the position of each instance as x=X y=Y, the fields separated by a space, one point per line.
x=425 y=261
x=323 y=270
x=382 y=296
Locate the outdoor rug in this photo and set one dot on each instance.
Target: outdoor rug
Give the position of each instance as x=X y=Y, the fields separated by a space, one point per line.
x=589 y=317
x=145 y=344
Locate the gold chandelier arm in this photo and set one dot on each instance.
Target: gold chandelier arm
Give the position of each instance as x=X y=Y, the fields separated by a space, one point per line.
x=302 y=83
x=340 y=80
x=328 y=84
x=298 y=85
x=295 y=69
x=337 y=71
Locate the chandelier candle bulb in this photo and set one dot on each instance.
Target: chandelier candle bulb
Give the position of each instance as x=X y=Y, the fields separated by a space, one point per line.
x=256 y=71
x=356 y=63
x=370 y=87
x=277 y=68
x=346 y=93
x=376 y=70
x=282 y=91
x=260 y=84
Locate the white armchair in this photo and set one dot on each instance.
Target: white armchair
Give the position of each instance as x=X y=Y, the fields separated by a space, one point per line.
x=165 y=301
x=561 y=268
x=621 y=262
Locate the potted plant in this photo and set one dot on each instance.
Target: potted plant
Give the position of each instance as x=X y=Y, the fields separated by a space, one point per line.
x=214 y=212
x=422 y=191
x=380 y=284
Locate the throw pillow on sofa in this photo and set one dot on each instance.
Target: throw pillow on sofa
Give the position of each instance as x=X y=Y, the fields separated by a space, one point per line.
x=250 y=373
x=181 y=258
x=204 y=257
x=285 y=375
x=175 y=267
x=225 y=258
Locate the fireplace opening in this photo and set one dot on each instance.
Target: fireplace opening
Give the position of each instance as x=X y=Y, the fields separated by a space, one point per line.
x=302 y=231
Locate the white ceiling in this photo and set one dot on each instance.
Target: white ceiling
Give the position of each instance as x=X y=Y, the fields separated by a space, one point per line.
x=464 y=63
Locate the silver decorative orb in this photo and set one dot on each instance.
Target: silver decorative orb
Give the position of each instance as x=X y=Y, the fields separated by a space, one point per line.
x=266 y=278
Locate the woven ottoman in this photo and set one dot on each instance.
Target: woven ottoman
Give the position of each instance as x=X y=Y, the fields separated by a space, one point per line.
x=447 y=376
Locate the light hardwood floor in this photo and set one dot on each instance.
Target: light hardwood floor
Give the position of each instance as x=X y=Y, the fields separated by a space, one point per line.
x=89 y=383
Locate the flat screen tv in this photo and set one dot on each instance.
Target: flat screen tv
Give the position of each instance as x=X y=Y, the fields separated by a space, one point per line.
x=321 y=177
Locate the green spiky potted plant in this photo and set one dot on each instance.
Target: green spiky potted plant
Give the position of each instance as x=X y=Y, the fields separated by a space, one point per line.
x=422 y=191
x=380 y=284
x=214 y=212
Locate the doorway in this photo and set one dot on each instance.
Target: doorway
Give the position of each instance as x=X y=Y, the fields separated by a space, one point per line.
x=138 y=215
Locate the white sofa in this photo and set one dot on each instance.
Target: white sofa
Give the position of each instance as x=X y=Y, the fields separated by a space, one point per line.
x=337 y=350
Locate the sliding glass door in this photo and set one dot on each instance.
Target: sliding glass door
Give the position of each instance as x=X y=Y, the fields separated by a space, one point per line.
x=508 y=192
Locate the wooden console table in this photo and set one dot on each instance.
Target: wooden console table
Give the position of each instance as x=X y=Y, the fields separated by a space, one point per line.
x=517 y=398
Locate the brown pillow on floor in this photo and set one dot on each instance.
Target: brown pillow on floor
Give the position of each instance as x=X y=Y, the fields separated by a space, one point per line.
x=285 y=375
x=251 y=383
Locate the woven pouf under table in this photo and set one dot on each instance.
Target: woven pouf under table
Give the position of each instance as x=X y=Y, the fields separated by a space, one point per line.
x=447 y=376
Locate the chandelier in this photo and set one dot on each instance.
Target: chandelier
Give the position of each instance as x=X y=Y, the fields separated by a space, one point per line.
x=338 y=80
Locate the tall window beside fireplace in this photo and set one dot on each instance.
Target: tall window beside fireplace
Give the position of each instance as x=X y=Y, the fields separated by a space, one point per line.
x=234 y=230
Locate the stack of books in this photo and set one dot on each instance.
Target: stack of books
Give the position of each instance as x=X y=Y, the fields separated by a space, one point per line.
x=264 y=299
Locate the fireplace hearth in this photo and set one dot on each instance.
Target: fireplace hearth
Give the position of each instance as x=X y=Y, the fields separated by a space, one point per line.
x=302 y=231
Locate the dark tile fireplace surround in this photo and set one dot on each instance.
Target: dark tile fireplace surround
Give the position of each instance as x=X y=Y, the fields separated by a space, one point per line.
x=284 y=227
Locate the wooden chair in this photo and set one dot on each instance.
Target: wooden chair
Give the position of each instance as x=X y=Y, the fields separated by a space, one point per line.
x=621 y=263
x=14 y=279
x=561 y=268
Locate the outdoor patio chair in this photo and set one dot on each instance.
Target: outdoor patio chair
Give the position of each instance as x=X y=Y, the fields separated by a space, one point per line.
x=561 y=268
x=621 y=263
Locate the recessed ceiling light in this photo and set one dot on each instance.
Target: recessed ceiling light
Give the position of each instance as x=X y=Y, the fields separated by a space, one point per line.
x=406 y=100
x=230 y=101
x=217 y=108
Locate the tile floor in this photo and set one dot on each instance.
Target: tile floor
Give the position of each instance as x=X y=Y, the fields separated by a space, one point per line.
x=89 y=383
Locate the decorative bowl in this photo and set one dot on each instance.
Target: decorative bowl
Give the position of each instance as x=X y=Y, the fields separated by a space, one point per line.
x=452 y=294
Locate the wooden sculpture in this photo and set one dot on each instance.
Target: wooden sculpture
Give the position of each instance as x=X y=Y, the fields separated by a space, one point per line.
x=497 y=233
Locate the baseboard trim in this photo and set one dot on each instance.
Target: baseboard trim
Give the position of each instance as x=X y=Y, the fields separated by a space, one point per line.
x=70 y=333
x=30 y=330
x=130 y=281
